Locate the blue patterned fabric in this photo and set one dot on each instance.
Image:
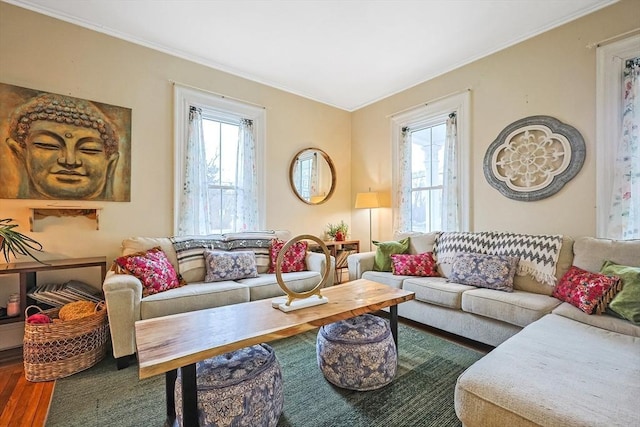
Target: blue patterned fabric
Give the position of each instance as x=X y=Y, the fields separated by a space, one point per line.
x=229 y=265
x=485 y=271
x=240 y=388
x=357 y=353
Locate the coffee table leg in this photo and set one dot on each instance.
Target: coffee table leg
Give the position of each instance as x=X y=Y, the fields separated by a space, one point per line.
x=170 y=386
x=393 y=312
x=189 y=396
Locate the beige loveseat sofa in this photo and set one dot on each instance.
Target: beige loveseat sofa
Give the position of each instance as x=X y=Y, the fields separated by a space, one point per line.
x=126 y=303
x=553 y=365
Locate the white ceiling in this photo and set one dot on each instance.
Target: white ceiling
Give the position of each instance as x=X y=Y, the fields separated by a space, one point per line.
x=343 y=53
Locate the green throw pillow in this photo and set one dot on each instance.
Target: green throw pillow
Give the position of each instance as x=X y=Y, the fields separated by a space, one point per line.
x=626 y=303
x=382 y=260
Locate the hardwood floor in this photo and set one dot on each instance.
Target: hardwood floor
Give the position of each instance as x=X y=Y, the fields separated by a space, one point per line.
x=23 y=403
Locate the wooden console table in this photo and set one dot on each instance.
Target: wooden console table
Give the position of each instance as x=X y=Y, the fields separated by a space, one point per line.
x=28 y=270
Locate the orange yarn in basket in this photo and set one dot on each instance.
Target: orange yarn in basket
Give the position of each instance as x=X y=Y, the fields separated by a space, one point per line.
x=77 y=310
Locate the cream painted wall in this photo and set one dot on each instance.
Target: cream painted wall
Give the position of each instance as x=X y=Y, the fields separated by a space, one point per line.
x=552 y=74
x=47 y=54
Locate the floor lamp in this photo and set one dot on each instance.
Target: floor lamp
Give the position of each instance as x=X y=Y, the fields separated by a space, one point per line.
x=369 y=200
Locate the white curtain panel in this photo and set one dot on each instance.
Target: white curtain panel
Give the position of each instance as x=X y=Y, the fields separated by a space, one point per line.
x=402 y=208
x=247 y=179
x=451 y=190
x=193 y=217
x=314 y=176
x=624 y=217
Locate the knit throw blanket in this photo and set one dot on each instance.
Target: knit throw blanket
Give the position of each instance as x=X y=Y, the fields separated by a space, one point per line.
x=538 y=254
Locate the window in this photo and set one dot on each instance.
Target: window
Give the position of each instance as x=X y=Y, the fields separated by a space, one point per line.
x=427 y=173
x=617 y=133
x=431 y=155
x=219 y=173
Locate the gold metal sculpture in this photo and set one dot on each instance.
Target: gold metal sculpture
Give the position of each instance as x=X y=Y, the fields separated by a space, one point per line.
x=305 y=298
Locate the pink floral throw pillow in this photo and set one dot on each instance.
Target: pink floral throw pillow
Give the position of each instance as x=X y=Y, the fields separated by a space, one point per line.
x=294 y=258
x=414 y=265
x=152 y=268
x=590 y=292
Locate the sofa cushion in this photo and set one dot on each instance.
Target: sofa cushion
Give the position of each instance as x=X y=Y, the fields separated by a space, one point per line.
x=518 y=307
x=419 y=243
x=604 y=321
x=266 y=285
x=152 y=268
x=591 y=253
x=292 y=260
x=141 y=244
x=189 y=252
x=555 y=372
x=194 y=296
x=222 y=266
x=565 y=260
x=414 y=265
x=590 y=292
x=485 y=271
x=259 y=242
x=385 y=277
x=437 y=290
x=627 y=302
x=384 y=250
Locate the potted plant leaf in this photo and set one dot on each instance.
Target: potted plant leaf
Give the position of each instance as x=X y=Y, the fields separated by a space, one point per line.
x=12 y=242
x=337 y=232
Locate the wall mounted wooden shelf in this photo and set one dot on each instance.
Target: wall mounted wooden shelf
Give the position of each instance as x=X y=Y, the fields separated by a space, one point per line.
x=61 y=211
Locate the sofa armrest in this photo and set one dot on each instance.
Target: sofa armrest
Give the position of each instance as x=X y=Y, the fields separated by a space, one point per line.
x=122 y=293
x=359 y=263
x=316 y=262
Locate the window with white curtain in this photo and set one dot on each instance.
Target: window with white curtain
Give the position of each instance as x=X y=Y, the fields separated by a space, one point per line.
x=219 y=171
x=618 y=139
x=430 y=166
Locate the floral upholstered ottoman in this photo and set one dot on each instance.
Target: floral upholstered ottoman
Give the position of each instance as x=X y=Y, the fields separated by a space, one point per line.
x=357 y=353
x=240 y=388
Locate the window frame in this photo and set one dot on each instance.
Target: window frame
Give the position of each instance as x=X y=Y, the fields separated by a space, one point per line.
x=186 y=97
x=430 y=112
x=610 y=63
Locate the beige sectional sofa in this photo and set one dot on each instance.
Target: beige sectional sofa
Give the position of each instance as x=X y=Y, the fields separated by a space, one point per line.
x=126 y=303
x=553 y=364
x=483 y=315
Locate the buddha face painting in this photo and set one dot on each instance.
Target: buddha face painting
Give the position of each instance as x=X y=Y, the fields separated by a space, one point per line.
x=66 y=161
x=68 y=148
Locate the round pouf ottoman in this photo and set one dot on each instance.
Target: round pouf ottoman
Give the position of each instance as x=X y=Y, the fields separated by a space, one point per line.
x=357 y=353
x=240 y=388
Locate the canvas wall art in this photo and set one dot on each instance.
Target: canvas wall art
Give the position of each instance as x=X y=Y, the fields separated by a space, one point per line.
x=58 y=147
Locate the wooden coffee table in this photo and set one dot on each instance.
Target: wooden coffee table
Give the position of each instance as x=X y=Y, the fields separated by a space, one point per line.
x=166 y=344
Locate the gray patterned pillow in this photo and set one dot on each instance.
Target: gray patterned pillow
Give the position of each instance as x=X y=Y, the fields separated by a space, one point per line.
x=222 y=265
x=484 y=271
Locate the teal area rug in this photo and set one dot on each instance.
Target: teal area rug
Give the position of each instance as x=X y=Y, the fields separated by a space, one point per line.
x=420 y=395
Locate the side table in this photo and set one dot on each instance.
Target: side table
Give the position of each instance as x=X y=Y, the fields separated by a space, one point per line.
x=340 y=250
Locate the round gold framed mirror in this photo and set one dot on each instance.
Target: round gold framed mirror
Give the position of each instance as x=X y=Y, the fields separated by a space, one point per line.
x=312 y=176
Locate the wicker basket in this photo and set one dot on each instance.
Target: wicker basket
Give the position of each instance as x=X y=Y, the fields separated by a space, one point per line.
x=59 y=349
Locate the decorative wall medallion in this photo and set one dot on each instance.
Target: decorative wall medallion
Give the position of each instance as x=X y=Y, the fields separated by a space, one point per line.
x=533 y=158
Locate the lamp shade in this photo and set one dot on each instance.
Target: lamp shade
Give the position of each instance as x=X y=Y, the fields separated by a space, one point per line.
x=368 y=200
